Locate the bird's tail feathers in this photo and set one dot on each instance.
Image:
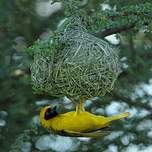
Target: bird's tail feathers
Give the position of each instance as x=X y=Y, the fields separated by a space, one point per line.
x=119 y=116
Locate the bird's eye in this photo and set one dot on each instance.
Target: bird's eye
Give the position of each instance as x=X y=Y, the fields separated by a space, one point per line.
x=50 y=113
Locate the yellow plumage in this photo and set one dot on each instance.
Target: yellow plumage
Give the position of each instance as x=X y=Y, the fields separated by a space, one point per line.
x=76 y=123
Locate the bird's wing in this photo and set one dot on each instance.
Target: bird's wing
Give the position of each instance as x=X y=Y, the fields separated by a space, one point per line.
x=93 y=134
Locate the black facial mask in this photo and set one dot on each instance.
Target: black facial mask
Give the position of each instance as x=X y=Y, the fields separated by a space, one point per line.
x=50 y=113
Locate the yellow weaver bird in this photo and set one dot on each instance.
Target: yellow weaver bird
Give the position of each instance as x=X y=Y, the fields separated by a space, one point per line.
x=78 y=123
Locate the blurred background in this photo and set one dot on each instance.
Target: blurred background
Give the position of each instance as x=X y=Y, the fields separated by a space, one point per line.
x=24 y=21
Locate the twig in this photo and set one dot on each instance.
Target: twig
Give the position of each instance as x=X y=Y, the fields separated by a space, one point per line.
x=109 y=31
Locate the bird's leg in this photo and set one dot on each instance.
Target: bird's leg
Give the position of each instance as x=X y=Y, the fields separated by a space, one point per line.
x=80 y=106
x=72 y=100
x=76 y=105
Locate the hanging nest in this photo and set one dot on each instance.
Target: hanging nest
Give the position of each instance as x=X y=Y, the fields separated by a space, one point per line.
x=74 y=63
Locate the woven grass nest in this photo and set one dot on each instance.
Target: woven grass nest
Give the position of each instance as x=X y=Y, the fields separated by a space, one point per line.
x=75 y=64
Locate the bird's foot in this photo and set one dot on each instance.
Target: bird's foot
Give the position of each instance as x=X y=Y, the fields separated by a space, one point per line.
x=80 y=106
